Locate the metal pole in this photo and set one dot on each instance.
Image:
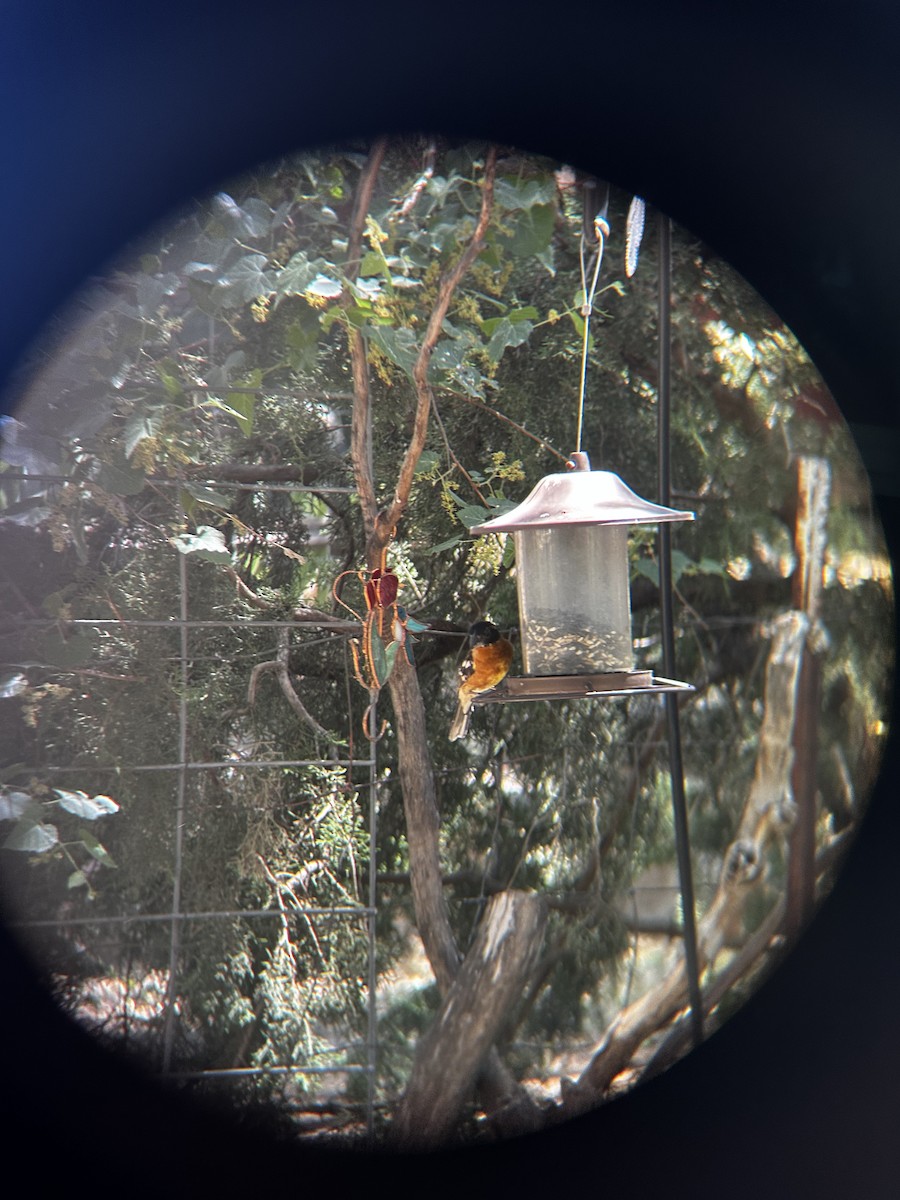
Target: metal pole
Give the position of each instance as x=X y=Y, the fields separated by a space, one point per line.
x=676 y=765
x=175 y=938
x=372 y=1030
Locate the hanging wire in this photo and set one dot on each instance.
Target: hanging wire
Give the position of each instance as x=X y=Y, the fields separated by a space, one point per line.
x=600 y=232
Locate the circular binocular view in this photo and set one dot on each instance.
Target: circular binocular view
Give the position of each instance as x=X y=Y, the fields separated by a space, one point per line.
x=445 y=645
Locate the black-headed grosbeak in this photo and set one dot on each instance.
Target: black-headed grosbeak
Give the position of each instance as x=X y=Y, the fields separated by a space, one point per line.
x=485 y=665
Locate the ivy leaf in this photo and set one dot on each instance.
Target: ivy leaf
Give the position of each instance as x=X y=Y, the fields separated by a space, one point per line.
x=252 y=219
x=32 y=836
x=513 y=194
x=294 y=278
x=89 y=808
x=245 y=281
x=207 y=543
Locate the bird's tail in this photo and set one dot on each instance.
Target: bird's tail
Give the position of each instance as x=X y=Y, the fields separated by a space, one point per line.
x=460 y=722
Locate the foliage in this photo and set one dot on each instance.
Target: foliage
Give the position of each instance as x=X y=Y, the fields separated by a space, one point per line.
x=183 y=433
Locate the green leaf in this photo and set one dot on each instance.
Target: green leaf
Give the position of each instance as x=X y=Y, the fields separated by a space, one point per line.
x=648 y=568
x=72 y=651
x=398 y=344
x=516 y=193
x=200 y=493
x=168 y=373
x=681 y=564
x=247 y=280
x=508 y=334
x=428 y=460
x=448 y=545
x=121 y=480
x=207 y=543
x=140 y=426
x=241 y=405
x=533 y=232
x=89 y=808
x=96 y=849
x=77 y=879
x=302 y=343
x=473 y=514
x=32 y=836
x=295 y=278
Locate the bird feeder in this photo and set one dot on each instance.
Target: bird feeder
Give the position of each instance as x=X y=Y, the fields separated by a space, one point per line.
x=571 y=540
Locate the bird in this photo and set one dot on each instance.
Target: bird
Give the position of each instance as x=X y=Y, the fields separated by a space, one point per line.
x=485 y=665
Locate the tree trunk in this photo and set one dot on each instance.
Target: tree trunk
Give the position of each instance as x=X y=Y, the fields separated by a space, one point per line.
x=810 y=540
x=451 y=1053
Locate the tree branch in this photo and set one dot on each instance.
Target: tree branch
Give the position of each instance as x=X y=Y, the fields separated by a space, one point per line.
x=424 y=397
x=360 y=425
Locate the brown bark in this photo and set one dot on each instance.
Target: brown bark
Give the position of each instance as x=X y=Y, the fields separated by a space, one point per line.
x=472 y=1014
x=810 y=540
x=414 y=762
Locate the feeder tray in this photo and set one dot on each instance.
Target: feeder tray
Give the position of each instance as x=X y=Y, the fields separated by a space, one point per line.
x=580 y=687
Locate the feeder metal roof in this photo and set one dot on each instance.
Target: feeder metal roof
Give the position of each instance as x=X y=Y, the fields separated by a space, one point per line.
x=581 y=497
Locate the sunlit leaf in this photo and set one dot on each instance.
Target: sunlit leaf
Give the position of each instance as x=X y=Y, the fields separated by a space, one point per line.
x=13 y=804
x=32 y=837
x=13 y=685
x=207 y=543
x=85 y=806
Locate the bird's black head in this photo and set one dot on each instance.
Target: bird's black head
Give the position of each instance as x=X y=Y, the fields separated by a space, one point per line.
x=483 y=633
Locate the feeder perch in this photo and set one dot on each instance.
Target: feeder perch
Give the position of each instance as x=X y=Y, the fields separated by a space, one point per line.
x=571 y=539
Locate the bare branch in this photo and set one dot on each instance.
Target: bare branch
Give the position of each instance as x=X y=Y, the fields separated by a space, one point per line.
x=424 y=396
x=360 y=428
x=280 y=666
